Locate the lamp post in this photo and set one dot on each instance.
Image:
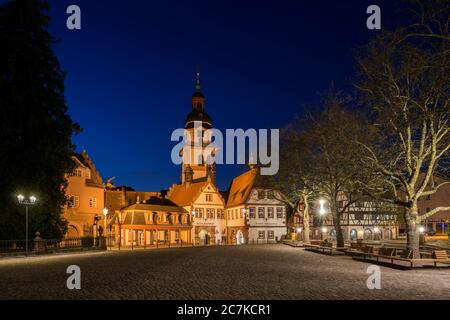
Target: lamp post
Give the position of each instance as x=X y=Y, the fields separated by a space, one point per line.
x=322 y=213
x=26 y=202
x=421 y=235
x=324 y=230
x=298 y=235
x=105 y=212
x=322 y=207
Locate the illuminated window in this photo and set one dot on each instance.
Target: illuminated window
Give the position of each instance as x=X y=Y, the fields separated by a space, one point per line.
x=270 y=235
x=252 y=212
x=209 y=197
x=74 y=202
x=279 y=212
x=210 y=213
x=93 y=203
x=270 y=213
x=261 y=213
x=76 y=173
x=261 y=234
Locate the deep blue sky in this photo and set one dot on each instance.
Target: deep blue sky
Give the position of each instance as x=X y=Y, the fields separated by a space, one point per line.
x=131 y=71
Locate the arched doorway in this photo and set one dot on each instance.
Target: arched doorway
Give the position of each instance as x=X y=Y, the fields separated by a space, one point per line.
x=204 y=237
x=72 y=232
x=367 y=234
x=377 y=234
x=387 y=234
x=353 y=234
x=332 y=235
x=239 y=237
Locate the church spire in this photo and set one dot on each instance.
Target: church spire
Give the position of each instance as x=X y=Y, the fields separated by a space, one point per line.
x=197 y=82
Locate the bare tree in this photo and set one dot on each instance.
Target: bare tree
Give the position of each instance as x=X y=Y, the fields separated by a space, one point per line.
x=294 y=176
x=336 y=170
x=404 y=80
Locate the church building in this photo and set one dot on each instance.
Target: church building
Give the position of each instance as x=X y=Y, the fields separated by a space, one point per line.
x=197 y=193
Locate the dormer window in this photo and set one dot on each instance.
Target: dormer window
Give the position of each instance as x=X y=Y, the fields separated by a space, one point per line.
x=76 y=173
x=88 y=174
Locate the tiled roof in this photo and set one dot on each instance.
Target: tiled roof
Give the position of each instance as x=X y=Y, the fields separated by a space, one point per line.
x=183 y=194
x=241 y=187
x=186 y=194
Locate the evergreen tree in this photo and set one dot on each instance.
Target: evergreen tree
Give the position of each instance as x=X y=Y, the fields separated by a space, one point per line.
x=35 y=130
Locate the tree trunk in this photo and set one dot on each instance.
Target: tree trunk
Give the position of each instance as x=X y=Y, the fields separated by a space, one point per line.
x=306 y=221
x=339 y=233
x=413 y=236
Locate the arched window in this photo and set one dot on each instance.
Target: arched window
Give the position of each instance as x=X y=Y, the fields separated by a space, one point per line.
x=353 y=234
x=367 y=234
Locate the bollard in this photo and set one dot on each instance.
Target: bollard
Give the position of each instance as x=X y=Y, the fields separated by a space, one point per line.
x=39 y=244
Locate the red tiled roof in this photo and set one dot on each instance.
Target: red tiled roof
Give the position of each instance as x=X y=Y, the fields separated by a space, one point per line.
x=183 y=194
x=186 y=194
x=241 y=187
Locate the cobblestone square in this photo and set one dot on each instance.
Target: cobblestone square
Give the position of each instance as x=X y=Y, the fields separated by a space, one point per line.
x=228 y=272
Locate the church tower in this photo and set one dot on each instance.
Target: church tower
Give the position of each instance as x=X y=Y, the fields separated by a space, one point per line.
x=194 y=171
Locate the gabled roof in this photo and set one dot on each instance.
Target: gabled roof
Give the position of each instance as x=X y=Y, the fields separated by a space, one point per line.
x=84 y=160
x=241 y=187
x=186 y=194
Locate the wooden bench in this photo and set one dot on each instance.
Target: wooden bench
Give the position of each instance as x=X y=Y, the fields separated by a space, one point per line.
x=325 y=247
x=364 y=252
x=439 y=256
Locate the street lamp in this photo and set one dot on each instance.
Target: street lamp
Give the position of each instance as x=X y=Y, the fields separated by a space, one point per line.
x=421 y=229
x=324 y=231
x=322 y=207
x=105 y=212
x=26 y=202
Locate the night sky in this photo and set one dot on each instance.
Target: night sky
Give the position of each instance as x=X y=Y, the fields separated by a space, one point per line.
x=131 y=71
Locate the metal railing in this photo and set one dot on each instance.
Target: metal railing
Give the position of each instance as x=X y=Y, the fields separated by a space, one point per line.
x=42 y=246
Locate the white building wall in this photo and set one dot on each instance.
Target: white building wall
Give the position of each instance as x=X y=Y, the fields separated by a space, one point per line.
x=266 y=228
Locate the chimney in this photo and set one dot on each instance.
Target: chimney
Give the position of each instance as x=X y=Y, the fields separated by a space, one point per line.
x=124 y=197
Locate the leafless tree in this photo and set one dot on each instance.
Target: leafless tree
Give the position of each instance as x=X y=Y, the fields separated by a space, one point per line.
x=404 y=80
x=294 y=176
x=337 y=172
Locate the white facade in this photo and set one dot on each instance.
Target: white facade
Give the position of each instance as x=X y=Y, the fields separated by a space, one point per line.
x=266 y=216
x=208 y=216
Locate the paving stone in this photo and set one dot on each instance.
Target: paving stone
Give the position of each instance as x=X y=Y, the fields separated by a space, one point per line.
x=228 y=272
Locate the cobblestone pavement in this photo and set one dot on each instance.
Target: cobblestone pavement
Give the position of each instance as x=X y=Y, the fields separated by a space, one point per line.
x=241 y=272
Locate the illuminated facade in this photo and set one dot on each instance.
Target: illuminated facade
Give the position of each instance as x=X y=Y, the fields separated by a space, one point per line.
x=254 y=213
x=85 y=193
x=193 y=211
